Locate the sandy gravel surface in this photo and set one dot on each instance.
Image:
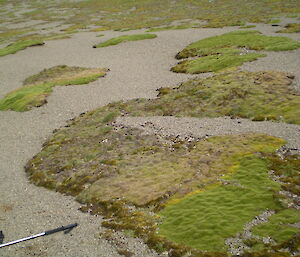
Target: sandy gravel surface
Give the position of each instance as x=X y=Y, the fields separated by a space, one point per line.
x=137 y=70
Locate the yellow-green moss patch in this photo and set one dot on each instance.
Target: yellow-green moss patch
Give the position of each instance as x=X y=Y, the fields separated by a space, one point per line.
x=205 y=220
x=254 y=95
x=274 y=21
x=118 y=171
x=8 y=34
x=129 y=177
x=24 y=41
x=128 y=14
x=125 y=38
x=75 y=28
x=202 y=220
x=144 y=13
x=225 y=51
x=280 y=226
x=213 y=63
x=247 y=26
x=290 y=28
x=174 y=27
x=20 y=45
x=37 y=87
x=95 y=161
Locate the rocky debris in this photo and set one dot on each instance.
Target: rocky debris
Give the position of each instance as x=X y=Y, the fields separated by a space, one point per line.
x=126 y=244
x=236 y=244
x=194 y=128
x=293 y=201
x=285 y=151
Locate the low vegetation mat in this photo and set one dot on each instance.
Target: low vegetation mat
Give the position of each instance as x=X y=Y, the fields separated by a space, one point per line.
x=20 y=45
x=291 y=28
x=128 y=14
x=37 y=87
x=22 y=40
x=229 y=50
x=182 y=195
x=254 y=95
x=125 y=38
x=175 y=194
x=175 y=27
x=247 y=193
x=247 y=26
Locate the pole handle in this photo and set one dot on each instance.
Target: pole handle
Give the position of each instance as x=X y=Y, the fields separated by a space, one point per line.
x=49 y=232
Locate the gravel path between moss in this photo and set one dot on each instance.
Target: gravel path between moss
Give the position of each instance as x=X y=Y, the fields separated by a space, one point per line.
x=207 y=127
x=137 y=70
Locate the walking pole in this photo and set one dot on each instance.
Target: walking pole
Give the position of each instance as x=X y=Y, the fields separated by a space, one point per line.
x=46 y=233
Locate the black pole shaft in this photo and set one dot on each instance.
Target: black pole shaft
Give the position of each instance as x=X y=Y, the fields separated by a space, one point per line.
x=48 y=232
x=62 y=228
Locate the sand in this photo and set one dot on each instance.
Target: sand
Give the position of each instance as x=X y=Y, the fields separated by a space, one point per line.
x=137 y=69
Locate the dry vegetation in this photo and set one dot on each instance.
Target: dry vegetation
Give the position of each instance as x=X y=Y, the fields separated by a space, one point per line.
x=140 y=181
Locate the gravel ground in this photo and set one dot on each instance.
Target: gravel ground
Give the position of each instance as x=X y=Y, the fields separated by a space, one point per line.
x=137 y=70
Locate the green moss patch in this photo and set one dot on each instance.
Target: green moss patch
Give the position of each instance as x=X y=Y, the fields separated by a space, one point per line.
x=274 y=21
x=24 y=41
x=279 y=227
x=141 y=181
x=204 y=220
x=37 y=87
x=144 y=13
x=252 y=39
x=289 y=175
x=75 y=28
x=247 y=26
x=175 y=27
x=224 y=51
x=208 y=215
x=213 y=63
x=20 y=45
x=7 y=34
x=97 y=162
x=125 y=38
x=254 y=95
x=128 y=14
x=129 y=176
x=290 y=28
x=146 y=183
